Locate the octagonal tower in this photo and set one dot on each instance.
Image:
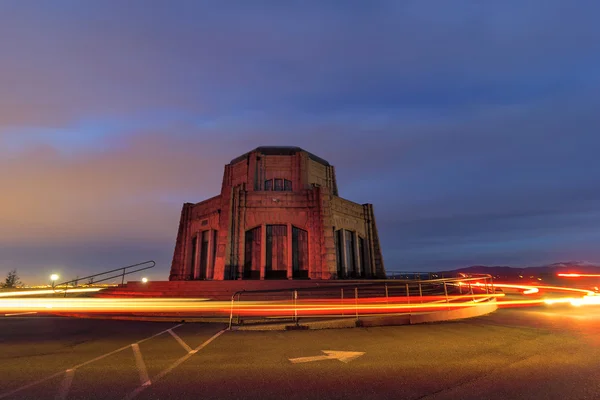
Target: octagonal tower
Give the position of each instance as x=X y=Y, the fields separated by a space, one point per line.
x=278 y=216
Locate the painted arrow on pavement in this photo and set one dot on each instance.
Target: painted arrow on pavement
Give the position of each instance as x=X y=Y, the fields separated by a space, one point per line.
x=343 y=356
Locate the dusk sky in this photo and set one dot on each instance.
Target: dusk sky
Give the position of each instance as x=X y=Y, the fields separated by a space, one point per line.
x=472 y=126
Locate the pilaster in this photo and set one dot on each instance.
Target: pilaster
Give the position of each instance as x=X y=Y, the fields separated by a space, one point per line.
x=263 y=251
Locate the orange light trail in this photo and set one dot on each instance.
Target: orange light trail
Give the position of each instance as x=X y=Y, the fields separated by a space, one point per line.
x=196 y=306
x=302 y=307
x=579 y=275
x=538 y=287
x=48 y=291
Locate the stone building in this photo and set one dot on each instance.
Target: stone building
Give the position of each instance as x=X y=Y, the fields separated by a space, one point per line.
x=279 y=216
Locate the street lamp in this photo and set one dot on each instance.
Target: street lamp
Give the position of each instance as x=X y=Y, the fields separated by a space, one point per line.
x=54 y=278
x=144 y=280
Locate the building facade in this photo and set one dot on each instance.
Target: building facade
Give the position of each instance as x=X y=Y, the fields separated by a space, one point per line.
x=278 y=216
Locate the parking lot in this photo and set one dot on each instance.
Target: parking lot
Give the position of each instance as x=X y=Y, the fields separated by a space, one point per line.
x=548 y=353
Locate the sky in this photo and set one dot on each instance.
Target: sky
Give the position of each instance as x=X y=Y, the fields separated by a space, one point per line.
x=472 y=126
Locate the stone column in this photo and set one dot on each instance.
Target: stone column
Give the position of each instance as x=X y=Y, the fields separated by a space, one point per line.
x=209 y=256
x=290 y=271
x=263 y=251
x=344 y=253
x=196 y=256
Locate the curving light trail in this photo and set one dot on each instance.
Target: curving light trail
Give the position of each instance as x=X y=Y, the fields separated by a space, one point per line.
x=48 y=291
x=479 y=296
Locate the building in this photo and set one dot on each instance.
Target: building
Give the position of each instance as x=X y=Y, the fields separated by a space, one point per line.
x=279 y=216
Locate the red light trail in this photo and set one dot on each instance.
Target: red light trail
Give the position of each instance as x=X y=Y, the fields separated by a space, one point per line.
x=304 y=307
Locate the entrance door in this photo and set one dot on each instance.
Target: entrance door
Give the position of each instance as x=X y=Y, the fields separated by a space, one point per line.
x=276 y=265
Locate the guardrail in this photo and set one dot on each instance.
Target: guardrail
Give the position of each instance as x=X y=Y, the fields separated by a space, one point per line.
x=123 y=271
x=417 y=275
x=359 y=299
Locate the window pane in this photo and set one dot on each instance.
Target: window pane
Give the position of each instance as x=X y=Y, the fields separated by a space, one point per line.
x=339 y=246
x=278 y=185
x=364 y=267
x=252 y=256
x=269 y=184
x=287 y=185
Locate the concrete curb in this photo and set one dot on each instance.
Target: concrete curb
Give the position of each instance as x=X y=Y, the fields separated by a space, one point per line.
x=383 y=320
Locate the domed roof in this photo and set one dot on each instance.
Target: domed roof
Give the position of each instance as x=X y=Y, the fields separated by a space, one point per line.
x=279 y=151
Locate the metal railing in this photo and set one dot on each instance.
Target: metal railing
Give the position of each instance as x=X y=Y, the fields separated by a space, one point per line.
x=416 y=275
x=471 y=288
x=91 y=278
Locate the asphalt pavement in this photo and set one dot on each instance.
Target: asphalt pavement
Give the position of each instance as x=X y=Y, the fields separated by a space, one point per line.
x=539 y=353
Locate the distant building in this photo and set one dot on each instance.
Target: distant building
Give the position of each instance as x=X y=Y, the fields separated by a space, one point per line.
x=278 y=216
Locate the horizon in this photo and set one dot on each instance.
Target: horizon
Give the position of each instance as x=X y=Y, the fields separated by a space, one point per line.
x=472 y=129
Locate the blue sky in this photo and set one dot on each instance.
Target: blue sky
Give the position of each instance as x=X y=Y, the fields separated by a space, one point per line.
x=472 y=126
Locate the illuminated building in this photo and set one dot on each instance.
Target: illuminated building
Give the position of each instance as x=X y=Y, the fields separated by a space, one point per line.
x=279 y=216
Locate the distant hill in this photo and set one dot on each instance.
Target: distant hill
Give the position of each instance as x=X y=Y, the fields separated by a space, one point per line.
x=543 y=270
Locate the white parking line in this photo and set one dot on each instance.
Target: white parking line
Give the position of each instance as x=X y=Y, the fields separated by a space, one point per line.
x=65 y=386
x=180 y=341
x=139 y=362
x=3 y=395
x=122 y=348
x=29 y=385
x=170 y=368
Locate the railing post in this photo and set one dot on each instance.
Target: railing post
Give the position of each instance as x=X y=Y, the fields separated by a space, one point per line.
x=342 y=299
x=446 y=293
x=492 y=281
x=238 y=308
x=420 y=292
x=356 y=300
x=123 y=277
x=485 y=282
x=296 y=306
x=386 y=294
x=231 y=313
x=471 y=290
x=408 y=297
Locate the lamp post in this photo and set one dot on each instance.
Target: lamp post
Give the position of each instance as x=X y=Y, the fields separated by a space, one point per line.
x=54 y=278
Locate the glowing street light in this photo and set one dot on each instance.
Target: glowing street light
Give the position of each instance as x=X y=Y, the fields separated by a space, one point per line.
x=54 y=278
x=144 y=280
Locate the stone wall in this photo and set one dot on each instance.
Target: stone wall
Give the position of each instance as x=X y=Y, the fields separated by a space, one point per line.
x=348 y=215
